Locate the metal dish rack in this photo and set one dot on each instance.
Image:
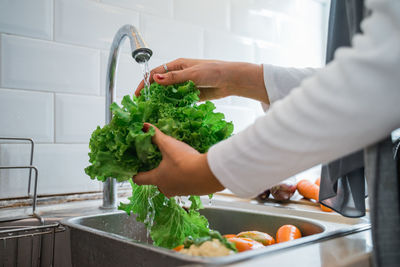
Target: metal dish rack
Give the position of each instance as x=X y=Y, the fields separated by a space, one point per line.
x=29 y=242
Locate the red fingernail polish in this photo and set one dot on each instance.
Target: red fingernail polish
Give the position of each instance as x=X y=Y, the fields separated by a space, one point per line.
x=159 y=76
x=145 y=127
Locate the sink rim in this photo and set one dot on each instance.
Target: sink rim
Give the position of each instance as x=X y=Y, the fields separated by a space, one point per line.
x=327 y=233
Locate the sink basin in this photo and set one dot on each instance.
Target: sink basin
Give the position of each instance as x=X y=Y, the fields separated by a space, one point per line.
x=116 y=239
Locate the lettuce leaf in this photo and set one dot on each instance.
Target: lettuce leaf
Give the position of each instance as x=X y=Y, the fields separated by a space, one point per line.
x=121 y=149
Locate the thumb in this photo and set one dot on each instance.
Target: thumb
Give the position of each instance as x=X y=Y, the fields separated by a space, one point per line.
x=159 y=137
x=171 y=77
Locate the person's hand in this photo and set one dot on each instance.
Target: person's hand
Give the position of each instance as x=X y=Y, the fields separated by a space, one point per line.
x=215 y=79
x=182 y=171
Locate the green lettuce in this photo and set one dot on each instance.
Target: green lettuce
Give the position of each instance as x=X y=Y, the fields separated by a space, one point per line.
x=121 y=149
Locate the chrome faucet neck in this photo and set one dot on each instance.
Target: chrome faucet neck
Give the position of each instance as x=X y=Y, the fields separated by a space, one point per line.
x=141 y=53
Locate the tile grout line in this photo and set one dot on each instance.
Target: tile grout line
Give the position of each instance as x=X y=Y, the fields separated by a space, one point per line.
x=49 y=92
x=229 y=30
x=54 y=21
x=99 y=71
x=1 y=78
x=54 y=117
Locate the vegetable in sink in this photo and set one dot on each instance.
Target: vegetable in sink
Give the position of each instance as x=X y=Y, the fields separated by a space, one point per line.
x=213 y=245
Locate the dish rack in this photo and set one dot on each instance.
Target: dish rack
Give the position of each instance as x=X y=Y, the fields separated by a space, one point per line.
x=27 y=240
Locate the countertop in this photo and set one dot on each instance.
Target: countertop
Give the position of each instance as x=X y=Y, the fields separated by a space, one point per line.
x=350 y=250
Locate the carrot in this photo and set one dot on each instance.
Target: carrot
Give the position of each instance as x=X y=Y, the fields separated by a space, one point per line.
x=261 y=237
x=311 y=191
x=308 y=189
x=178 y=248
x=318 y=181
x=229 y=236
x=287 y=232
x=324 y=208
x=243 y=244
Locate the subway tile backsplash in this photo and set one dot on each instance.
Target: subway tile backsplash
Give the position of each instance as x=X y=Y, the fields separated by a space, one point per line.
x=27 y=114
x=239 y=48
x=28 y=63
x=89 y=23
x=27 y=18
x=60 y=169
x=76 y=117
x=209 y=14
x=161 y=8
x=128 y=77
x=53 y=57
x=170 y=39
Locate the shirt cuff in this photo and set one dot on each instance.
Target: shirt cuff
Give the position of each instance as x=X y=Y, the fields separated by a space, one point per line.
x=270 y=85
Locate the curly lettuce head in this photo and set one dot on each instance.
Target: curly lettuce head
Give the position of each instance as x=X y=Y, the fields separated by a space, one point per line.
x=121 y=149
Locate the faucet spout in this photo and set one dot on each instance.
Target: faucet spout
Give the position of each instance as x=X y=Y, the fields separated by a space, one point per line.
x=141 y=53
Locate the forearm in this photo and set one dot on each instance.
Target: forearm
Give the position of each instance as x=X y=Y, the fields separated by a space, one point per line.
x=265 y=83
x=246 y=80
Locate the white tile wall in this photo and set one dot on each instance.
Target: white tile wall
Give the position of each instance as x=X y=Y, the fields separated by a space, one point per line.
x=254 y=105
x=128 y=77
x=241 y=117
x=77 y=117
x=42 y=65
x=53 y=56
x=88 y=23
x=61 y=169
x=239 y=48
x=161 y=8
x=14 y=183
x=295 y=33
x=209 y=14
x=270 y=53
x=66 y=174
x=255 y=21
x=170 y=39
x=27 y=114
x=26 y=17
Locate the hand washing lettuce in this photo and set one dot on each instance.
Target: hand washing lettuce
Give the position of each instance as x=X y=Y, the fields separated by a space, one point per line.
x=121 y=149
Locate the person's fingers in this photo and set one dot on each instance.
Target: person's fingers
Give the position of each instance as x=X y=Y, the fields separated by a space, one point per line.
x=177 y=64
x=139 y=88
x=173 y=77
x=159 y=138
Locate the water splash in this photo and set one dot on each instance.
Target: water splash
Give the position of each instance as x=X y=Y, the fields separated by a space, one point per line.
x=146 y=78
x=180 y=201
x=210 y=196
x=151 y=213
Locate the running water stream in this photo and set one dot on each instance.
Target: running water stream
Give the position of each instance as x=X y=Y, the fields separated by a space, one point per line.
x=149 y=221
x=146 y=78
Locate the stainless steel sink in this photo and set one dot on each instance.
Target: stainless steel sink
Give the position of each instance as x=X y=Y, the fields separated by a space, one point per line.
x=115 y=239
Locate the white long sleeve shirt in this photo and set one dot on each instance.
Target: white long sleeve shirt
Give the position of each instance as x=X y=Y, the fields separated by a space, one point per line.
x=351 y=103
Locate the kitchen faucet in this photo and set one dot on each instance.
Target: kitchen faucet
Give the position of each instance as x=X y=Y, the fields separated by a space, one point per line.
x=141 y=53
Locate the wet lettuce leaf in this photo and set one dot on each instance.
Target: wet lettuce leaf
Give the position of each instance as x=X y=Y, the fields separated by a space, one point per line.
x=121 y=149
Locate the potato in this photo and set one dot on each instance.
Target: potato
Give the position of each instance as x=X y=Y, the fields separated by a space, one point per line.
x=284 y=191
x=263 y=196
